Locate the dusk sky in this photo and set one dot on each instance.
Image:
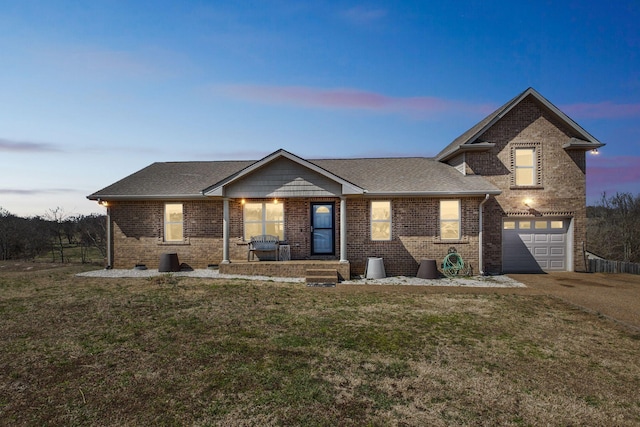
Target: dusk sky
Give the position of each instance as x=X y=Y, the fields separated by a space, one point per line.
x=93 y=91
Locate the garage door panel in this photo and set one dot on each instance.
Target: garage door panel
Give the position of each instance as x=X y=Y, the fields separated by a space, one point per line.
x=538 y=249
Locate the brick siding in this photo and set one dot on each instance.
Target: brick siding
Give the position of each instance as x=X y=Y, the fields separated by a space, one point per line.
x=415 y=235
x=562 y=192
x=138 y=230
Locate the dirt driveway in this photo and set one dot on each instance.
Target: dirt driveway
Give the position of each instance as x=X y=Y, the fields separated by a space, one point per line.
x=616 y=296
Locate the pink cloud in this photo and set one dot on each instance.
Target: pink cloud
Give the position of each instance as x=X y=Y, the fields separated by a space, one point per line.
x=613 y=174
x=351 y=99
x=602 y=110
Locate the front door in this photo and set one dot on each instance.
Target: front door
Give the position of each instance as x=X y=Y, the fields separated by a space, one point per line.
x=322 y=228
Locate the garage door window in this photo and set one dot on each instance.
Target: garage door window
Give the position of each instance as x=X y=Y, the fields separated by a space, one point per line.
x=524 y=225
x=557 y=224
x=541 y=225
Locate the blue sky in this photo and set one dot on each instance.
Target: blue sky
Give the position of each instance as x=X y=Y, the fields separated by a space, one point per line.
x=93 y=91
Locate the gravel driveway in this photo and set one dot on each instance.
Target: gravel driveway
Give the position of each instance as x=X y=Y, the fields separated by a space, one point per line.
x=615 y=296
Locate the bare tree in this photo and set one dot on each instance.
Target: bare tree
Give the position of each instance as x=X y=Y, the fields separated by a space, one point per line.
x=91 y=233
x=613 y=228
x=57 y=218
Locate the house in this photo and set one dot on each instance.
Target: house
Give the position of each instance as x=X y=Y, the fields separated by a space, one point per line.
x=509 y=195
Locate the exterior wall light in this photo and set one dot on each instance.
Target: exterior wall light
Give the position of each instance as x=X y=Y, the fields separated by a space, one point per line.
x=528 y=202
x=595 y=151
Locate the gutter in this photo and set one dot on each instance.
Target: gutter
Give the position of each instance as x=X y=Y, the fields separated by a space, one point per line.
x=480 y=250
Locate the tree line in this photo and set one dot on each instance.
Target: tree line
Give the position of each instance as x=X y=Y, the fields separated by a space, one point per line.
x=613 y=227
x=54 y=235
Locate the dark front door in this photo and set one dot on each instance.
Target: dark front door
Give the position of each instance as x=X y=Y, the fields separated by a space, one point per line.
x=322 y=229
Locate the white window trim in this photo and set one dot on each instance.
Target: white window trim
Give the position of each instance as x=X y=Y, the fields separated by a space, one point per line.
x=457 y=221
x=263 y=221
x=537 y=164
x=389 y=221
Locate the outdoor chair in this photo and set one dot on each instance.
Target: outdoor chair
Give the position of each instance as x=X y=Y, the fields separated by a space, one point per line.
x=264 y=244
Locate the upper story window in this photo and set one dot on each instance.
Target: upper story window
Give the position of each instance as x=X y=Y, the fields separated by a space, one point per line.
x=263 y=218
x=173 y=222
x=381 y=220
x=450 y=220
x=526 y=165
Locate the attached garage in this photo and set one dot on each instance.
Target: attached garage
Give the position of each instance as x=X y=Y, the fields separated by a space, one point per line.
x=536 y=245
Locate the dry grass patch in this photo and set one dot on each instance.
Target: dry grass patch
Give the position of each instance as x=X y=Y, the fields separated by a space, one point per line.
x=177 y=351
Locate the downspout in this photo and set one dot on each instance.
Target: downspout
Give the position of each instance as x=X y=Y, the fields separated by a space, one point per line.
x=109 y=256
x=480 y=243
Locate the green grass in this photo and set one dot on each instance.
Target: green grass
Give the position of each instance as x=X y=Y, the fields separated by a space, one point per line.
x=175 y=351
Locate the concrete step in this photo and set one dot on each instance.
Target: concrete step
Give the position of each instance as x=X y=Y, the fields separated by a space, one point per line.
x=321 y=277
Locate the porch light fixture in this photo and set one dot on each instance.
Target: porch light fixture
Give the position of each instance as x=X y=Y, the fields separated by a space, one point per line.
x=275 y=201
x=595 y=152
x=103 y=203
x=243 y=201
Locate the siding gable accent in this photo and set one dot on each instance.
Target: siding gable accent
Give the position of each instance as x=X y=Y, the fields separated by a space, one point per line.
x=283 y=178
x=346 y=187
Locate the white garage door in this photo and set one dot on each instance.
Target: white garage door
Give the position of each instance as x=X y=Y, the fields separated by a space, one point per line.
x=530 y=245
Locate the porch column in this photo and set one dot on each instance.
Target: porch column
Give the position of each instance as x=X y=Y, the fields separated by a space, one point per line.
x=343 y=229
x=225 y=231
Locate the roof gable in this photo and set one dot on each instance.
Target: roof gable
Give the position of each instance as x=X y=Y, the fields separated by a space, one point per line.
x=219 y=189
x=470 y=139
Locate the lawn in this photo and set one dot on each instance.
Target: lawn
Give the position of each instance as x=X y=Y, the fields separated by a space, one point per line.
x=163 y=351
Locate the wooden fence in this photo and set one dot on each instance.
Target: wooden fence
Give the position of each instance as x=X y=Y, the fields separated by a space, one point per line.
x=605 y=266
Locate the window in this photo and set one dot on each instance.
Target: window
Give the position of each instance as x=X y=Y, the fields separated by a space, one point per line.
x=450 y=219
x=381 y=220
x=524 y=163
x=173 y=222
x=509 y=225
x=557 y=224
x=525 y=225
x=263 y=218
x=541 y=225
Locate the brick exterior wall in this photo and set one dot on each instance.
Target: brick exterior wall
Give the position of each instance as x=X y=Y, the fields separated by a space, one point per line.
x=415 y=235
x=138 y=230
x=562 y=192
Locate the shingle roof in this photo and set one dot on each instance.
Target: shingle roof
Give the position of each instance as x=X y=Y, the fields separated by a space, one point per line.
x=171 y=179
x=405 y=175
x=384 y=176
